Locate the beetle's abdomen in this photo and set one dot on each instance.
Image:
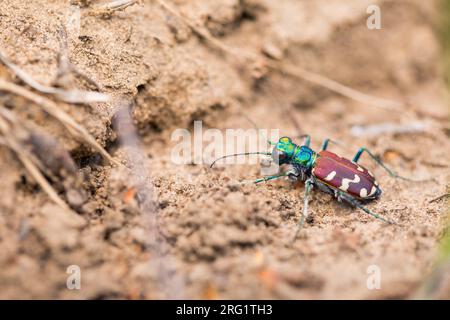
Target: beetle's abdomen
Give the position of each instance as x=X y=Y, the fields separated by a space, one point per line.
x=345 y=175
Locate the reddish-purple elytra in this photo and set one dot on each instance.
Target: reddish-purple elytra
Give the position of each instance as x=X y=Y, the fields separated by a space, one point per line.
x=340 y=173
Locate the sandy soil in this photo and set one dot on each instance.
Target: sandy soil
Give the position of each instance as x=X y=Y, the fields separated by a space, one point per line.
x=186 y=231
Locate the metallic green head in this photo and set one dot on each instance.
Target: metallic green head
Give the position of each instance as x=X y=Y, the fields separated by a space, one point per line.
x=284 y=150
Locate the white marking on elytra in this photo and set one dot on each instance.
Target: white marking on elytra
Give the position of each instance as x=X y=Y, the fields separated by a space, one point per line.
x=346 y=182
x=370 y=173
x=363 y=193
x=330 y=176
x=360 y=169
x=372 y=192
x=375 y=182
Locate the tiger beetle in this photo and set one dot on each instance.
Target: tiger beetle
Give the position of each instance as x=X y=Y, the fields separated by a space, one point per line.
x=346 y=180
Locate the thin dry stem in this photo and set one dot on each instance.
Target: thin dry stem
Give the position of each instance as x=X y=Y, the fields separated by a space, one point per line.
x=446 y=195
x=71 y=96
x=112 y=6
x=51 y=108
x=65 y=67
x=335 y=86
x=12 y=143
x=388 y=128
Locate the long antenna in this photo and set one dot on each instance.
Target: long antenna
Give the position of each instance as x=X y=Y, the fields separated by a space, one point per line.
x=239 y=154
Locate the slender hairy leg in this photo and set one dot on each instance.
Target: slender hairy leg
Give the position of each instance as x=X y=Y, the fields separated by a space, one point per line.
x=327 y=141
x=352 y=201
x=307 y=137
x=308 y=187
x=284 y=174
x=379 y=162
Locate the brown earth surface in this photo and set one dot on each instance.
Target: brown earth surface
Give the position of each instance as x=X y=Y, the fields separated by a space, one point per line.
x=187 y=231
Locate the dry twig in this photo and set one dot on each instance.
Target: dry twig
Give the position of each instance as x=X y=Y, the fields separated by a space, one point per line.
x=117 y=5
x=12 y=143
x=51 y=108
x=70 y=96
x=389 y=128
x=446 y=195
x=65 y=67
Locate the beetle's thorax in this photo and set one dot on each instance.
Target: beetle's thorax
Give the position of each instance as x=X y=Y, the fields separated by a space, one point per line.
x=304 y=157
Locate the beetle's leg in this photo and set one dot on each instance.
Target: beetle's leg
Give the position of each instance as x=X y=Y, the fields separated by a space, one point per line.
x=284 y=174
x=325 y=144
x=307 y=138
x=308 y=187
x=327 y=141
x=352 y=201
x=391 y=173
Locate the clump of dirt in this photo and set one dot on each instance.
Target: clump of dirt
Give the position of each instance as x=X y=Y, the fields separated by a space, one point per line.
x=207 y=235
